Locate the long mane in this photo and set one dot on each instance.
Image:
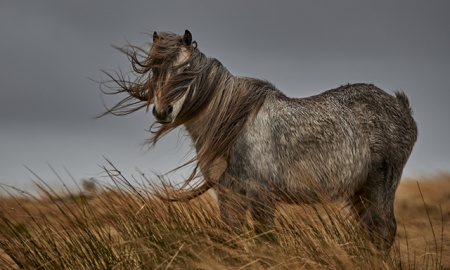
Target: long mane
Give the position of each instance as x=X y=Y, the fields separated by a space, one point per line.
x=217 y=104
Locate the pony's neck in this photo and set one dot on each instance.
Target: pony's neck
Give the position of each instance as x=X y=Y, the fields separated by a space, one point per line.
x=231 y=102
x=200 y=125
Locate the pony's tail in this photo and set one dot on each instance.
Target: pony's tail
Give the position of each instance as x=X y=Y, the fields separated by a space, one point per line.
x=403 y=99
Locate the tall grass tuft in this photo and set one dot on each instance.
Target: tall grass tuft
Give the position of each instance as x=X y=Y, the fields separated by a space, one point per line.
x=122 y=226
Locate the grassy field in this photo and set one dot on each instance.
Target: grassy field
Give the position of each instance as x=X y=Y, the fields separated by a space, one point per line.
x=123 y=227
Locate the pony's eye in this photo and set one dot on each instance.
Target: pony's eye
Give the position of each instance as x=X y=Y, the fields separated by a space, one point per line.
x=186 y=67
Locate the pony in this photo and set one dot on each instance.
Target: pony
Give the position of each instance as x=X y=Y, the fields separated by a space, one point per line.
x=256 y=147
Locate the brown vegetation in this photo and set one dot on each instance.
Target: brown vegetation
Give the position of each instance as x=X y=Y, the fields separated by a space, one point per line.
x=422 y=208
x=124 y=228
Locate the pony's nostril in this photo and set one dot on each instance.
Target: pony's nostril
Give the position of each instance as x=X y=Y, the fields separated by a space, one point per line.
x=163 y=116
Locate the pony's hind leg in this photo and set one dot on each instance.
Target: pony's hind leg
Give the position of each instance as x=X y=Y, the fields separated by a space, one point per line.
x=374 y=204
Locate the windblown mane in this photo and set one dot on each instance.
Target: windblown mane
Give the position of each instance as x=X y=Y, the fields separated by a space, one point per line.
x=222 y=101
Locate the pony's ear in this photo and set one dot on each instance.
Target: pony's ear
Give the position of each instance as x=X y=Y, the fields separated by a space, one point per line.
x=187 y=38
x=155 y=36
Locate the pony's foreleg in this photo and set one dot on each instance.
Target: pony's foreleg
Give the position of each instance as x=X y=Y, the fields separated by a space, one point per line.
x=262 y=208
x=233 y=208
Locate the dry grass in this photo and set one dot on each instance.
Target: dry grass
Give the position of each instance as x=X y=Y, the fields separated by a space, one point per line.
x=422 y=209
x=123 y=227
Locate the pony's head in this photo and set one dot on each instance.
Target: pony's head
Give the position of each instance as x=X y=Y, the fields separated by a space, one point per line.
x=170 y=77
x=161 y=75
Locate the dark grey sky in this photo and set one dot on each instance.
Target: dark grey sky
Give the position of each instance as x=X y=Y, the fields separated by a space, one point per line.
x=50 y=49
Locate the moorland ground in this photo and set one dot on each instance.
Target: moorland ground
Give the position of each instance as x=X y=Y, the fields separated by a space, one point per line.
x=123 y=227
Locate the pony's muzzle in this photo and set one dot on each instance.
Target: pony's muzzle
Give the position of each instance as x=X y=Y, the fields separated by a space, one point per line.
x=163 y=116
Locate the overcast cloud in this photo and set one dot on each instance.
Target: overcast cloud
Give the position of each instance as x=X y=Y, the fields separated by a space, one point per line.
x=51 y=49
